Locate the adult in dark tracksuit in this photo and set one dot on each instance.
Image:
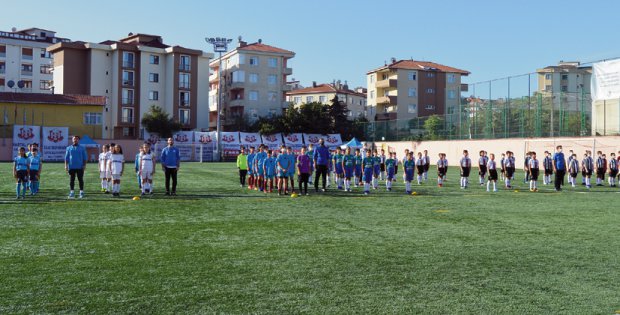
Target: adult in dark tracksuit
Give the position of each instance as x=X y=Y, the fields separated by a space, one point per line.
x=75 y=165
x=321 y=160
x=171 y=162
x=559 y=167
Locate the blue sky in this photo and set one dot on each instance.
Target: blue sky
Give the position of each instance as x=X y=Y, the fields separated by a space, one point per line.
x=344 y=39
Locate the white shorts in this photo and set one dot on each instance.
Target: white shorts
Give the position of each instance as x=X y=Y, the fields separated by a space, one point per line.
x=116 y=176
x=146 y=174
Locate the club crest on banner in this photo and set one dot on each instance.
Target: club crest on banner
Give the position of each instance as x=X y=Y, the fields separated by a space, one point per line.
x=181 y=137
x=250 y=138
x=205 y=139
x=292 y=138
x=313 y=139
x=271 y=138
x=152 y=139
x=331 y=140
x=25 y=133
x=228 y=138
x=55 y=135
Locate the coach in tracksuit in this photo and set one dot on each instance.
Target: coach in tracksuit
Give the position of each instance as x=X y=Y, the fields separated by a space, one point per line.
x=321 y=160
x=171 y=162
x=75 y=164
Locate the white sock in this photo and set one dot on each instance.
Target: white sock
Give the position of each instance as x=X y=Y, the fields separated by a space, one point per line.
x=488 y=185
x=366 y=187
x=494 y=188
x=531 y=184
x=587 y=181
x=439 y=180
x=462 y=181
x=507 y=182
x=466 y=181
x=408 y=186
x=419 y=179
x=535 y=185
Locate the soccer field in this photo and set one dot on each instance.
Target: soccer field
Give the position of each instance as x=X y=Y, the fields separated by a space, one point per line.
x=217 y=248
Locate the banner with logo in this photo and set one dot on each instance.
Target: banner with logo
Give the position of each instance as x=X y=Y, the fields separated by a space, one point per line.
x=605 y=82
x=249 y=139
x=208 y=141
x=151 y=138
x=54 y=144
x=24 y=135
x=230 y=145
x=273 y=142
x=295 y=141
x=333 y=140
x=312 y=138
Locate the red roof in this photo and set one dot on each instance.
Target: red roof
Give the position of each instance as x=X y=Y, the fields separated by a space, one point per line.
x=64 y=99
x=421 y=65
x=324 y=88
x=265 y=48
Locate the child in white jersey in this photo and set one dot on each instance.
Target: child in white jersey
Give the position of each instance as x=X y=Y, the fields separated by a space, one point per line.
x=116 y=166
x=147 y=169
x=103 y=164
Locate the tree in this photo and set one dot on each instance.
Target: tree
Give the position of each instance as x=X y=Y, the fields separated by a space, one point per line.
x=338 y=113
x=433 y=126
x=156 y=120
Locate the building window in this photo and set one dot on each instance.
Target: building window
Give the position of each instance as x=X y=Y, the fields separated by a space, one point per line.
x=2 y=51
x=430 y=91
x=548 y=88
x=253 y=96
x=241 y=59
x=253 y=77
x=128 y=59
x=297 y=100
x=309 y=99
x=451 y=110
x=153 y=95
x=184 y=80
x=372 y=78
x=127 y=97
x=153 y=77
x=272 y=96
x=564 y=88
x=238 y=76
x=429 y=107
x=127 y=132
x=1 y=82
x=183 y=98
x=184 y=116
x=2 y=67
x=27 y=53
x=128 y=78
x=45 y=85
x=412 y=75
x=272 y=79
x=254 y=61
x=451 y=78
x=184 y=63
x=154 y=60
x=127 y=115
x=412 y=108
x=26 y=69
x=45 y=69
x=27 y=84
x=451 y=94
x=548 y=76
x=93 y=119
x=430 y=74
x=372 y=95
x=565 y=77
x=272 y=62
x=45 y=53
x=323 y=99
x=412 y=92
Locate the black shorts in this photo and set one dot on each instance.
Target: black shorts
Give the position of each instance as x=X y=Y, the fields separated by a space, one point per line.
x=548 y=172
x=22 y=176
x=441 y=172
x=33 y=175
x=396 y=169
x=382 y=167
x=573 y=175
x=510 y=171
x=426 y=167
x=613 y=173
x=483 y=170
x=600 y=172
x=465 y=171
x=493 y=174
x=420 y=169
x=534 y=173
x=587 y=173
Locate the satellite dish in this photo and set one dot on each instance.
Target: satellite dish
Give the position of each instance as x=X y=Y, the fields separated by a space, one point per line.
x=10 y=84
x=20 y=84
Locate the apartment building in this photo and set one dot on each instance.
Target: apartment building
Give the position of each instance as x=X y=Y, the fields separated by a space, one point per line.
x=25 y=65
x=566 y=77
x=254 y=82
x=134 y=73
x=407 y=89
x=325 y=93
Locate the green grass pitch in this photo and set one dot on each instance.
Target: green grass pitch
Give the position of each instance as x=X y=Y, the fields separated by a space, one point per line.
x=217 y=248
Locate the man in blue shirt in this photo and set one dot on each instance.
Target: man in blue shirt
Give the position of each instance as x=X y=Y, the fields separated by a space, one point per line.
x=75 y=165
x=171 y=163
x=321 y=160
x=559 y=167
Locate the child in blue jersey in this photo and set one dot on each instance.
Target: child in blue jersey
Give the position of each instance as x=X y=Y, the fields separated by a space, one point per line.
x=259 y=160
x=367 y=170
x=136 y=163
x=20 y=172
x=250 y=158
x=390 y=170
x=403 y=162
x=269 y=169
x=291 y=172
x=348 y=165
x=283 y=167
x=36 y=165
x=330 y=168
x=409 y=170
x=310 y=154
x=358 y=168
x=338 y=169
x=376 y=169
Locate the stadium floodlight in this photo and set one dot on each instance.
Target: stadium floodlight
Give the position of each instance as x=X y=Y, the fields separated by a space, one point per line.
x=220 y=45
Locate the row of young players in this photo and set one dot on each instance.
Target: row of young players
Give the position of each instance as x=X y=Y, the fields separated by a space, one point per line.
x=112 y=167
x=27 y=167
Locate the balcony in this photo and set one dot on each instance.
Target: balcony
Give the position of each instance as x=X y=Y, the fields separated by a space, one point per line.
x=388 y=83
x=2 y=70
x=27 y=57
x=184 y=103
x=237 y=85
x=386 y=100
x=184 y=85
x=127 y=119
x=127 y=101
x=237 y=102
x=288 y=71
x=27 y=72
x=214 y=78
x=287 y=88
x=128 y=64
x=128 y=82
x=385 y=116
x=2 y=55
x=184 y=67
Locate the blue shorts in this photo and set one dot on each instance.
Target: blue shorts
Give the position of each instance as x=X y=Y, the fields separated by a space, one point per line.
x=269 y=176
x=282 y=174
x=339 y=169
x=390 y=173
x=409 y=175
x=291 y=174
x=377 y=170
x=368 y=176
x=348 y=172
x=260 y=174
x=358 y=171
x=250 y=171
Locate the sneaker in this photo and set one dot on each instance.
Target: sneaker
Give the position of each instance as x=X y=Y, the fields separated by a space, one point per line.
x=495 y=190
x=102 y=189
x=81 y=195
x=366 y=193
x=307 y=194
x=167 y=193
x=488 y=190
x=71 y=195
x=174 y=193
x=323 y=190
x=407 y=192
x=142 y=194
